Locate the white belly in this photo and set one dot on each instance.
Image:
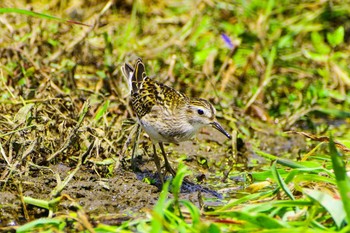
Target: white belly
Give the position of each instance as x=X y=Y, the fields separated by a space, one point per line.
x=163 y=131
x=152 y=132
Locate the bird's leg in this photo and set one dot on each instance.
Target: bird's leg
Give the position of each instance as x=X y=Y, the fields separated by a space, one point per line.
x=167 y=164
x=136 y=143
x=157 y=162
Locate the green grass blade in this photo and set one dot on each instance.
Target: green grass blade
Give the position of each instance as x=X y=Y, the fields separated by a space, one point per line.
x=182 y=171
x=158 y=210
x=260 y=220
x=37 y=202
x=101 y=111
x=343 y=181
x=244 y=199
x=284 y=162
x=194 y=211
x=41 y=222
x=38 y=15
x=281 y=182
x=30 y=13
x=332 y=205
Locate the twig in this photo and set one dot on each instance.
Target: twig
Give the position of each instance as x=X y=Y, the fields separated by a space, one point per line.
x=16 y=130
x=61 y=185
x=266 y=80
x=321 y=139
x=69 y=139
x=70 y=47
x=20 y=191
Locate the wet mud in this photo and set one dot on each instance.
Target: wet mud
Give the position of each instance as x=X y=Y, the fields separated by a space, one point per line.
x=126 y=194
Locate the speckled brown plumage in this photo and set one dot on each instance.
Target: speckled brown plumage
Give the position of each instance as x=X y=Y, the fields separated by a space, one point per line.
x=164 y=113
x=146 y=93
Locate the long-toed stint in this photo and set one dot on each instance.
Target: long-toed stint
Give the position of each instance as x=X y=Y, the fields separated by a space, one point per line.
x=166 y=114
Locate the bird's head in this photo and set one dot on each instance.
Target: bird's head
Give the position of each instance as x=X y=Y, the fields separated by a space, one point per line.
x=201 y=112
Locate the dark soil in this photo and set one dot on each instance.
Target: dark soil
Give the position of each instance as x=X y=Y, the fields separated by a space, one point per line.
x=126 y=194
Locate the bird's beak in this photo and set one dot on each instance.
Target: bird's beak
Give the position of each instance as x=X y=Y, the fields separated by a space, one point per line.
x=217 y=126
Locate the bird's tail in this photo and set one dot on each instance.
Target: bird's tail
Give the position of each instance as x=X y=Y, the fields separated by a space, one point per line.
x=135 y=76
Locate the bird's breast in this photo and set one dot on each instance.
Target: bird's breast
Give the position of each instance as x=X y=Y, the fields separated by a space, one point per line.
x=166 y=126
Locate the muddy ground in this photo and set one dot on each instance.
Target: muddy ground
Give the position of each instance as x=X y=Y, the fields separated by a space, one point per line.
x=114 y=196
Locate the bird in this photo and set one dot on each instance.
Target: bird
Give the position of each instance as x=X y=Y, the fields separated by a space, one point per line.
x=165 y=114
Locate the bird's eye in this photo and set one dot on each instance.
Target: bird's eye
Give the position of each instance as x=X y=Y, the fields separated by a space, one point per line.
x=200 y=111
